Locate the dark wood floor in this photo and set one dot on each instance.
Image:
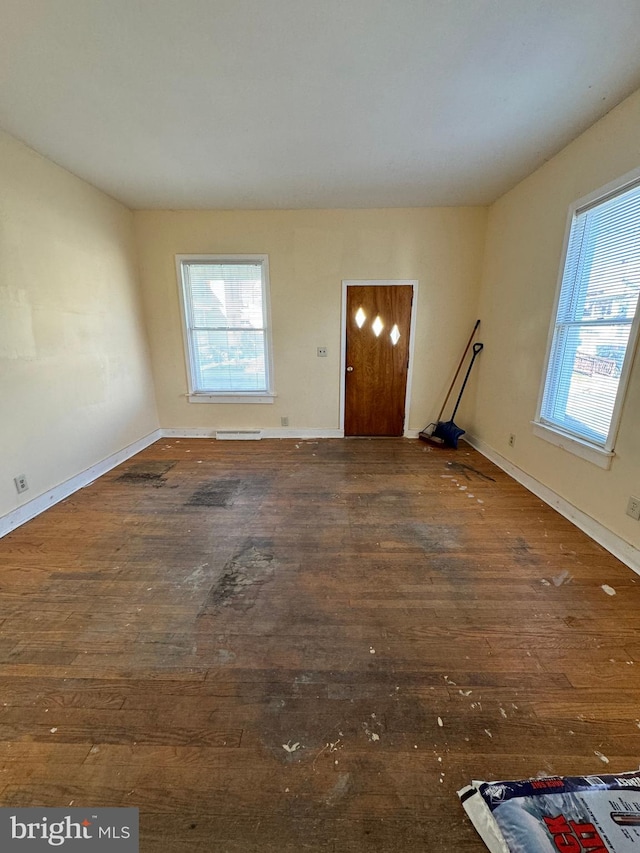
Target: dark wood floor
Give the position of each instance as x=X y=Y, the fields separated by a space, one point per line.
x=308 y=645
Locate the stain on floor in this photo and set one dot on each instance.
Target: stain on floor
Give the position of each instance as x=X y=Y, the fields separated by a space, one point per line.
x=523 y=553
x=146 y=472
x=241 y=579
x=219 y=493
x=463 y=469
x=229 y=491
x=434 y=538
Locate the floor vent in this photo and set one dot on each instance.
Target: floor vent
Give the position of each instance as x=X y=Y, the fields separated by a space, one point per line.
x=239 y=434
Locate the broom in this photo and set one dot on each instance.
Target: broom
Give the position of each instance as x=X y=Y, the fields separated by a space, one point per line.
x=427 y=433
x=448 y=432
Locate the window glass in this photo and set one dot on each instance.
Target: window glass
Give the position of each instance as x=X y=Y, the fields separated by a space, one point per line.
x=225 y=313
x=592 y=335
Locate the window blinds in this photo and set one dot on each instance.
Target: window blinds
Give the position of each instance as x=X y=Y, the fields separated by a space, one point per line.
x=596 y=309
x=226 y=326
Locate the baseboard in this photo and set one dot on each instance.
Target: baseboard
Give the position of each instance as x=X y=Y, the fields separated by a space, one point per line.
x=34 y=507
x=620 y=548
x=617 y=546
x=286 y=432
x=238 y=434
x=280 y=432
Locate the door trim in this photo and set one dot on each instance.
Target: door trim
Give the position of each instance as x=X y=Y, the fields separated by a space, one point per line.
x=343 y=337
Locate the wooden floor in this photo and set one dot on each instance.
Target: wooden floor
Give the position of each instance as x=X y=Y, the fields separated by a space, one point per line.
x=286 y=646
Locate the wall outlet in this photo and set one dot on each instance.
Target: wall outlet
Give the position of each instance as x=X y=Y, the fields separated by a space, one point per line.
x=284 y=421
x=322 y=352
x=633 y=507
x=21 y=483
x=512 y=439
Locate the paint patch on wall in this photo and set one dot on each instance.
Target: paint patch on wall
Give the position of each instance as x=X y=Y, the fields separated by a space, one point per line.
x=17 y=340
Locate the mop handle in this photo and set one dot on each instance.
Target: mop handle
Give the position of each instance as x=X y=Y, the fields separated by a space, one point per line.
x=476 y=349
x=453 y=382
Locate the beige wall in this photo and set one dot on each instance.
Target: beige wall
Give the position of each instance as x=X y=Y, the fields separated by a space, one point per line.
x=523 y=253
x=310 y=253
x=74 y=372
x=75 y=382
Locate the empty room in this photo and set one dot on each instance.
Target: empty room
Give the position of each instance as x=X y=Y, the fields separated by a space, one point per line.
x=320 y=394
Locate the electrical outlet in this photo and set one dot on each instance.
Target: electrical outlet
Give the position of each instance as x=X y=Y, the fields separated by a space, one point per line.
x=512 y=440
x=322 y=352
x=284 y=421
x=633 y=507
x=21 y=483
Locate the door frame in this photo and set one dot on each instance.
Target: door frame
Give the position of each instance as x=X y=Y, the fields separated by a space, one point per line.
x=343 y=337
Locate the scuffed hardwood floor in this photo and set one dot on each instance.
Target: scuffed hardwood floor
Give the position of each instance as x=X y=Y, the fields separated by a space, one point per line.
x=256 y=642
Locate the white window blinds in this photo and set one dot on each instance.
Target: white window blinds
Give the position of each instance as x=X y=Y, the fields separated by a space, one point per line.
x=592 y=334
x=225 y=317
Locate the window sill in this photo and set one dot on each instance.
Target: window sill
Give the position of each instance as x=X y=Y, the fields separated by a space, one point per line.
x=596 y=455
x=242 y=397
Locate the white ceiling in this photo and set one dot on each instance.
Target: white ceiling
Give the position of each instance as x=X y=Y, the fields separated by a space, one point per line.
x=310 y=103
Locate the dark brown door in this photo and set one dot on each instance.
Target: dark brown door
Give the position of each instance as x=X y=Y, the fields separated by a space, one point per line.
x=377 y=358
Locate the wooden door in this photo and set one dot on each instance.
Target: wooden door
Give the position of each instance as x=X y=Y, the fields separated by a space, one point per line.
x=378 y=323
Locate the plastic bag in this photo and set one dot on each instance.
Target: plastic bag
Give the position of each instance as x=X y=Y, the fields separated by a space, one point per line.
x=570 y=814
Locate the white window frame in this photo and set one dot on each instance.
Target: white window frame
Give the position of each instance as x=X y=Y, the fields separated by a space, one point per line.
x=598 y=454
x=198 y=396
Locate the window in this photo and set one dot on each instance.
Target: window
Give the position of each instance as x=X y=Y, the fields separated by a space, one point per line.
x=225 y=313
x=595 y=327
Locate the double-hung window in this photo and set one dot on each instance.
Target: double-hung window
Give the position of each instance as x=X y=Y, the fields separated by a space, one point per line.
x=595 y=328
x=225 y=311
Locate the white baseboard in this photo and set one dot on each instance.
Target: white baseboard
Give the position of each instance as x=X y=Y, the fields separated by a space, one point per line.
x=209 y=432
x=238 y=434
x=37 y=505
x=620 y=548
x=617 y=546
x=276 y=432
x=279 y=432
x=286 y=432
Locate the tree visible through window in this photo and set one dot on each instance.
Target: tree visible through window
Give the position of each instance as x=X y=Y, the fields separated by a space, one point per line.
x=225 y=314
x=595 y=329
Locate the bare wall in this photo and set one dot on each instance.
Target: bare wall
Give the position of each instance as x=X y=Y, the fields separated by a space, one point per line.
x=522 y=258
x=310 y=253
x=75 y=379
